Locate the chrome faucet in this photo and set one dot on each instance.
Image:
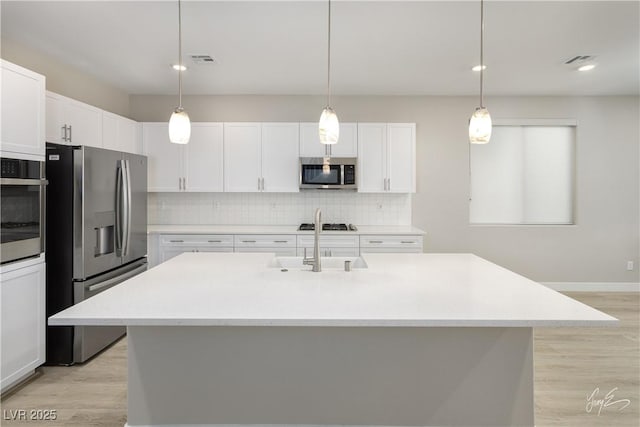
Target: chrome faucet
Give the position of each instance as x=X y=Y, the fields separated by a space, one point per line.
x=315 y=260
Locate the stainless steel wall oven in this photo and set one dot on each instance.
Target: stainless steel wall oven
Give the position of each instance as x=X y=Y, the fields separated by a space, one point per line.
x=22 y=209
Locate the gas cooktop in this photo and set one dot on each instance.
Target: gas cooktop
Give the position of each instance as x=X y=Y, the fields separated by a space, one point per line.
x=328 y=227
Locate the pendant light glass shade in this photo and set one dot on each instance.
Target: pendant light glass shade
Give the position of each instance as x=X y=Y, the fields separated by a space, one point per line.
x=179 y=127
x=480 y=122
x=179 y=123
x=480 y=126
x=329 y=127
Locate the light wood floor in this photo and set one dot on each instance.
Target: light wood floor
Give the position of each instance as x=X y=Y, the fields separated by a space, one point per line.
x=569 y=364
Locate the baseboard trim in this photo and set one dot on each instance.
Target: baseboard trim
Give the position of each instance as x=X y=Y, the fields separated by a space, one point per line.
x=594 y=286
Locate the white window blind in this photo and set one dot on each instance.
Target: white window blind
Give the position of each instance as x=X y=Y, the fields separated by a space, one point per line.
x=524 y=175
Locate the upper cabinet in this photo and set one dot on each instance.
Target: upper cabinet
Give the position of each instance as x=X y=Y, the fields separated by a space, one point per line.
x=23 y=110
x=73 y=122
x=261 y=157
x=386 y=160
x=310 y=145
x=121 y=134
x=195 y=167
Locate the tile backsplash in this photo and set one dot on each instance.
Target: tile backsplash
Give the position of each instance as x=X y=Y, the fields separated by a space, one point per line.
x=279 y=208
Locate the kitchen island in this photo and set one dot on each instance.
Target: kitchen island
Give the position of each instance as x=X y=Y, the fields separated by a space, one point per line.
x=409 y=340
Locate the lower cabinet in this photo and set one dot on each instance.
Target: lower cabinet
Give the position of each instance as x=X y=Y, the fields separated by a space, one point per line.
x=390 y=244
x=23 y=321
x=165 y=246
x=171 y=245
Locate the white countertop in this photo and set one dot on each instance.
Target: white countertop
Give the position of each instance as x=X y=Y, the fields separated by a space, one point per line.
x=397 y=290
x=276 y=229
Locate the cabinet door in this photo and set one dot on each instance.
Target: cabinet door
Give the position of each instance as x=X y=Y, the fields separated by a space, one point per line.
x=128 y=135
x=401 y=152
x=110 y=131
x=280 y=144
x=347 y=145
x=164 y=158
x=23 y=110
x=372 y=157
x=242 y=157
x=23 y=322
x=54 y=119
x=85 y=123
x=310 y=145
x=203 y=158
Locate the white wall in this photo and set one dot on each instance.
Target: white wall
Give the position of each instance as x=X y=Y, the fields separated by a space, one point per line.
x=595 y=249
x=67 y=80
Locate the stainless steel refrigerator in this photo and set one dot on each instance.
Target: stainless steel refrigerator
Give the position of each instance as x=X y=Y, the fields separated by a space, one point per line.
x=96 y=238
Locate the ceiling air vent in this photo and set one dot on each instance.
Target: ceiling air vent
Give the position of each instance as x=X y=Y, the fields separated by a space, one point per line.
x=580 y=59
x=203 y=60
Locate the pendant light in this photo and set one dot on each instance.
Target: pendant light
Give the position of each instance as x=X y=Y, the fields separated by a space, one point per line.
x=480 y=122
x=179 y=123
x=329 y=127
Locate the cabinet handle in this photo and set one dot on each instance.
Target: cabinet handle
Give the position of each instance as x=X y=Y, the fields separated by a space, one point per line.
x=215 y=241
x=70 y=134
x=262 y=184
x=248 y=241
x=176 y=241
x=184 y=183
x=64 y=132
x=280 y=241
x=407 y=241
x=375 y=241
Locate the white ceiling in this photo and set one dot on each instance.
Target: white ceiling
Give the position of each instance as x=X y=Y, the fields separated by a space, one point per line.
x=378 y=47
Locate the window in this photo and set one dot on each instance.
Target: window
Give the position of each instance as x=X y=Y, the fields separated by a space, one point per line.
x=525 y=175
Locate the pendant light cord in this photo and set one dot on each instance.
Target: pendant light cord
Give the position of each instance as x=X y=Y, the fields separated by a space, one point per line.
x=329 y=57
x=481 y=50
x=179 y=54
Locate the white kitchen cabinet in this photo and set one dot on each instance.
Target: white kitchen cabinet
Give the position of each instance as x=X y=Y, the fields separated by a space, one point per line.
x=242 y=157
x=391 y=244
x=172 y=245
x=330 y=245
x=386 y=157
x=121 y=134
x=195 y=167
x=310 y=145
x=72 y=122
x=23 y=110
x=261 y=157
x=23 y=320
x=280 y=157
x=280 y=244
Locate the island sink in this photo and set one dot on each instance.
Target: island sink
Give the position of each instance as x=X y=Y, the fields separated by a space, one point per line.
x=328 y=263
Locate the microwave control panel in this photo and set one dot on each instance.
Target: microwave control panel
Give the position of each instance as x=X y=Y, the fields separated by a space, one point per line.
x=349 y=174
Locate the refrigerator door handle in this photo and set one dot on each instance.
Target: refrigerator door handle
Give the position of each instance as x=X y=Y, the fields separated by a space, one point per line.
x=119 y=202
x=128 y=208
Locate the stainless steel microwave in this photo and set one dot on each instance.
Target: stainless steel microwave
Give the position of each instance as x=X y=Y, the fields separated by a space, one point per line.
x=337 y=173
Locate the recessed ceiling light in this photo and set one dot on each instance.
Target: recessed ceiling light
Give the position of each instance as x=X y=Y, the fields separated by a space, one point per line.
x=587 y=67
x=179 y=67
x=477 y=67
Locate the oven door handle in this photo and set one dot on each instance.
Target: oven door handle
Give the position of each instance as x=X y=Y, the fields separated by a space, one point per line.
x=23 y=181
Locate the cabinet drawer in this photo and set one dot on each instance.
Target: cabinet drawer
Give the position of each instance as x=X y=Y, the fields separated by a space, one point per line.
x=264 y=241
x=210 y=240
x=391 y=242
x=329 y=240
